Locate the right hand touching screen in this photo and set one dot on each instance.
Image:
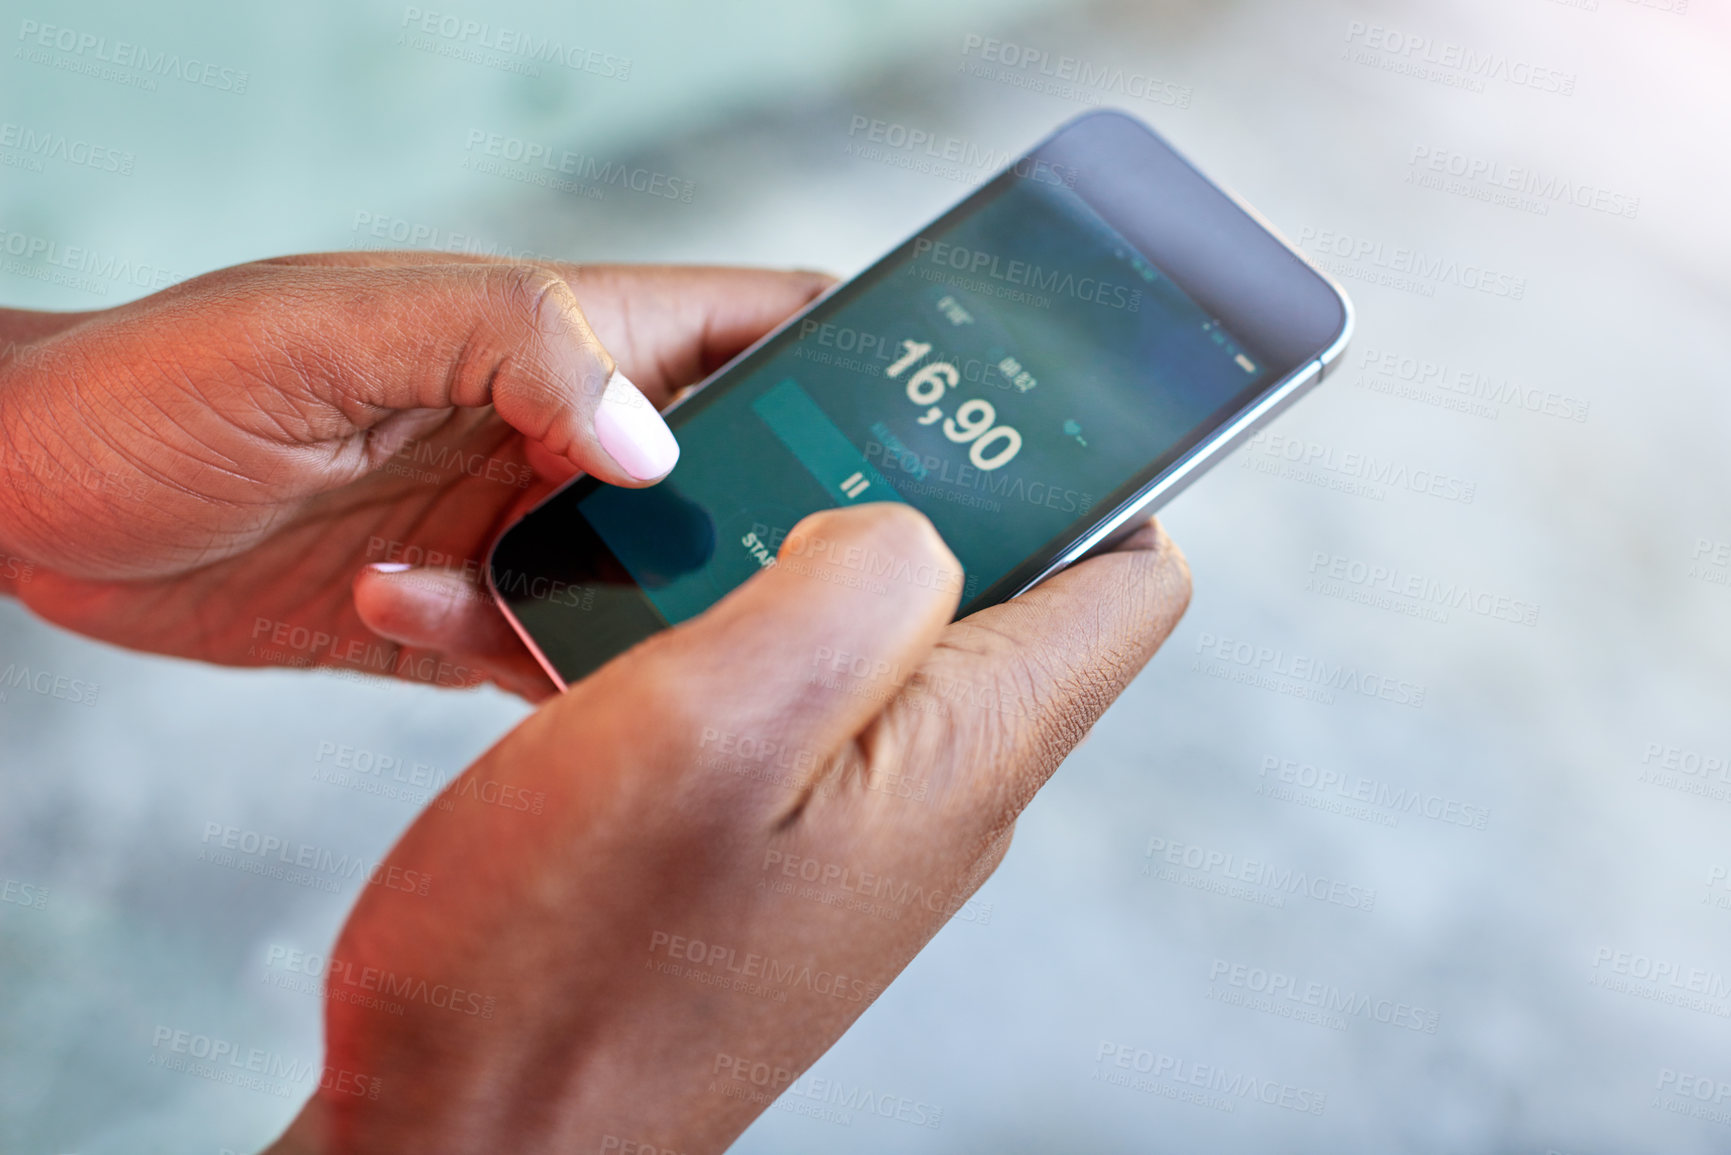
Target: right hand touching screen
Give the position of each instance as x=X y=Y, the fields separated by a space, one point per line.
x=626 y=965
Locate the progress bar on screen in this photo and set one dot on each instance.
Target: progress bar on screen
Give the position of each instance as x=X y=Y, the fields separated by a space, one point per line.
x=824 y=450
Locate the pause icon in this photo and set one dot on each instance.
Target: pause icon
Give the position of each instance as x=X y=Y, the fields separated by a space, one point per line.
x=855 y=485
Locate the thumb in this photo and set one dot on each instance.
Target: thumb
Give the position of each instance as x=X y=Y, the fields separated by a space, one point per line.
x=790 y=666
x=376 y=343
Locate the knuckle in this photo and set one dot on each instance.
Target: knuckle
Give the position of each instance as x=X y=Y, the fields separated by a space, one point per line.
x=1016 y=716
x=533 y=297
x=528 y=324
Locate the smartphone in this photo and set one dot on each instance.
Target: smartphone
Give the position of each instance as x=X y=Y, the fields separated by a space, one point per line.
x=1037 y=370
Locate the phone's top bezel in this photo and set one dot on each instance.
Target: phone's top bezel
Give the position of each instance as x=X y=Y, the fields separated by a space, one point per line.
x=1291 y=318
x=1235 y=265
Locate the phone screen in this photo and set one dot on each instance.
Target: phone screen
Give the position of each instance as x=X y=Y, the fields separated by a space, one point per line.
x=1005 y=373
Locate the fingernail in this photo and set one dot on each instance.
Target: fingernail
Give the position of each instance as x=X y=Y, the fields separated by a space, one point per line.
x=390 y=566
x=633 y=433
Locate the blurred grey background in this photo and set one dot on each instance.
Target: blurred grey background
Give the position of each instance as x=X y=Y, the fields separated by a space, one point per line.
x=1558 y=980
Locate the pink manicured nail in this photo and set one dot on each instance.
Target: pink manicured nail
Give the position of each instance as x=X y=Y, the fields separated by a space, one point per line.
x=633 y=433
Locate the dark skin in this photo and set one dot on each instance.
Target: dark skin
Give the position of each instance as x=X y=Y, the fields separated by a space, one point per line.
x=224 y=440
x=637 y=954
x=622 y=954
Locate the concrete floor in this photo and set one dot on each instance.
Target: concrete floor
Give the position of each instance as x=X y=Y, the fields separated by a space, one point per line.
x=1486 y=1004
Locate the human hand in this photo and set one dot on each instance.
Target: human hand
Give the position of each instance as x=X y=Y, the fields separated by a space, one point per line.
x=620 y=970
x=208 y=472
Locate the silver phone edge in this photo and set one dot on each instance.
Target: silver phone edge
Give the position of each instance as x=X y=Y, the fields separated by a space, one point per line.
x=1157 y=493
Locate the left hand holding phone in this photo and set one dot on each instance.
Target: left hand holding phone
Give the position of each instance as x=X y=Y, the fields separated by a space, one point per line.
x=303 y=461
x=667 y=892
